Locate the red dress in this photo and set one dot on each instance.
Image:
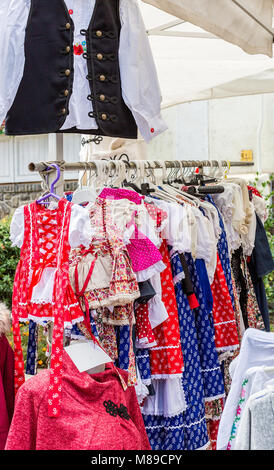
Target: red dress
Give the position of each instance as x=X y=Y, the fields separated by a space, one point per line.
x=45 y=245
x=166 y=359
x=226 y=334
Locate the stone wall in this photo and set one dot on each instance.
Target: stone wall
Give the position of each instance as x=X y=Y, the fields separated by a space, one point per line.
x=17 y=194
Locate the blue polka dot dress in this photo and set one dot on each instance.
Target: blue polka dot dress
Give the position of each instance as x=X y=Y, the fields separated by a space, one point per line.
x=211 y=369
x=193 y=419
x=223 y=252
x=32 y=353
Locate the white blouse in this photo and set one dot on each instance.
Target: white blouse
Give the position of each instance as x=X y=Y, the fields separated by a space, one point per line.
x=139 y=81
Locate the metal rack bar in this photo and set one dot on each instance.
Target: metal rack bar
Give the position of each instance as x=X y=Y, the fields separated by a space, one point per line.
x=149 y=164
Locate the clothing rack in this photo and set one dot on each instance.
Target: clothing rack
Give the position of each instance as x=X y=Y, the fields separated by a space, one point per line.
x=44 y=169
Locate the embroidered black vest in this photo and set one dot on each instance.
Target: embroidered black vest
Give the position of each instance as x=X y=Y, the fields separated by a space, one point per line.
x=42 y=101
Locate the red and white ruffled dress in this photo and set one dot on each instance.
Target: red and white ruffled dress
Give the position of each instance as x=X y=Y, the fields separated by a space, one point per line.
x=42 y=290
x=226 y=333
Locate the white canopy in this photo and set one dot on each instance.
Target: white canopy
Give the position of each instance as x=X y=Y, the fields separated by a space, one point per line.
x=245 y=23
x=195 y=65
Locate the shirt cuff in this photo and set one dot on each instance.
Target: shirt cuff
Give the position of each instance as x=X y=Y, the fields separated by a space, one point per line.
x=193 y=302
x=152 y=127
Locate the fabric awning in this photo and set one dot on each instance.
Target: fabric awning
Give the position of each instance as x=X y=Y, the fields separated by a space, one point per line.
x=191 y=66
x=245 y=23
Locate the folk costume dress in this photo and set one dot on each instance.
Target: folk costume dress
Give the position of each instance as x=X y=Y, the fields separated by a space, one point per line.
x=42 y=290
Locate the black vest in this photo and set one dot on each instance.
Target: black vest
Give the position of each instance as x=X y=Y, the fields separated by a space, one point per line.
x=42 y=101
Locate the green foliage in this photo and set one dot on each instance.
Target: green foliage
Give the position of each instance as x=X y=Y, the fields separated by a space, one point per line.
x=9 y=257
x=265 y=189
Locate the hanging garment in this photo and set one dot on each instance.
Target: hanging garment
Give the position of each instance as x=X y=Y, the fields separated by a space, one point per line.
x=256 y=430
x=251 y=314
x=255 y=380
x=104 y=416
x=166 y=358
x=224 y=254
x=257 y=348
x=226 y=334
x=6 y=377
x=145 y=256
x=261 y=263
x=93 y=65
x=102 y=275
x=193 y=420
x=210 y=365
x=42 y=291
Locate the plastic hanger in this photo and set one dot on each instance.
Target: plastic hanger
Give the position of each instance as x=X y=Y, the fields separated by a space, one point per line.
x=84 y=194
x=51 y=191
x=176 y=192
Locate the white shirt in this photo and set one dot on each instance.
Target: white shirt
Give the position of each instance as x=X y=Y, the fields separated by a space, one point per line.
x=257 y=349
x=139 y=81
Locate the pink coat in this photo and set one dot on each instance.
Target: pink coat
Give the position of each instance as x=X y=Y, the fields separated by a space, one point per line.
x=6 y=388
x=92 y=416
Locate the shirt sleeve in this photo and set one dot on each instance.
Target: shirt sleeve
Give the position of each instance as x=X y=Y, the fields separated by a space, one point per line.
x=140 y=85
x=80 y=229
x=13 y=20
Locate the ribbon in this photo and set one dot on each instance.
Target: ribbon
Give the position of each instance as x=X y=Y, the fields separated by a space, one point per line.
x=80 y=293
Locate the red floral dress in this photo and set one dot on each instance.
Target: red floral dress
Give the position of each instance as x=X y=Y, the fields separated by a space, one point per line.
x=226 y=334
x=45 y=245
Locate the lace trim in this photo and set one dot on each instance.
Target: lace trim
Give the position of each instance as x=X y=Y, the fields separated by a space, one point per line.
x=211 y=370
x=113 y=301
x=166 y=347
x=216 y=397
x=228 y=348
x=43 y=320
x=224 y=322
x=195 y=423
x=143 y=356
x=146 y=274
x=46 y=302
x=60 y=249
x=163 y=413
x=178 y=278
x=31 y=243
x=41 y=301
x=166 y=376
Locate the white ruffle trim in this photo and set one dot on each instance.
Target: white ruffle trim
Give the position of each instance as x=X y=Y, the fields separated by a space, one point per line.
x=158 y=348
x=157 y=311
x=216 y=397
x=178 y=278
x=141 y=389
x=224 y=322
x=178 y=427
x=166 y=376
x=168 y=401
x=144 y=344
x=119 y=300
x=210 y=370
x=146 y=274
x=228 y=348
x=44 y=320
